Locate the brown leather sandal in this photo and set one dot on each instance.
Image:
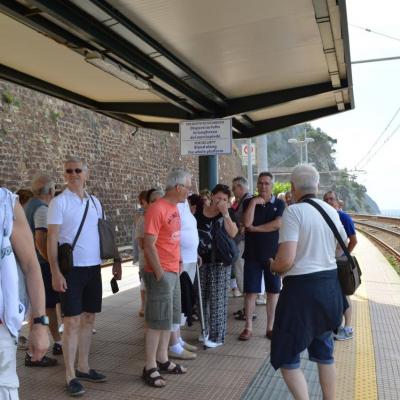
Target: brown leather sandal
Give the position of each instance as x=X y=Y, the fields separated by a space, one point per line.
x=245 y=335
x=166 y=367
x=151 y=380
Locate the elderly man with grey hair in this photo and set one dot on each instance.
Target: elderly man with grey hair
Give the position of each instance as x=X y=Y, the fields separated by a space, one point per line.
x=43 y=189
x=73 y=220
x=162 y=227
x=310 y=304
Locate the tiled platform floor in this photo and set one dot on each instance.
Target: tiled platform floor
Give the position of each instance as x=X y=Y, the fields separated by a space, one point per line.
x=238 y=369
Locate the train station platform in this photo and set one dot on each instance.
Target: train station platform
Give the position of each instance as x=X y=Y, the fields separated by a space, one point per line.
x=368 y=366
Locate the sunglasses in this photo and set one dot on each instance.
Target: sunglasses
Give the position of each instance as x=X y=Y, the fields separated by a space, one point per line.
x=76 y=170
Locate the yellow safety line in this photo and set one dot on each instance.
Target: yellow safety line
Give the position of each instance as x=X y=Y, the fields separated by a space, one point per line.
x=365 y=387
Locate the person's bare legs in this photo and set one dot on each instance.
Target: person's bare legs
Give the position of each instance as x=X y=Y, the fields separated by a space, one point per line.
x=53 y=324
x=272 y=301
x=175 y=335
x=296 y=382
x=347 y=313
x=142 y=300
x=85 y=339
x=327 y=380
x=151 y=346
x=152 y=339
x=162 y=351
x=250 y=303
x=70 y=345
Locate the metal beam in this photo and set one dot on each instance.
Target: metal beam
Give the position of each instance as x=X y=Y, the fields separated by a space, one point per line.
x=256 y=102
x=132 y=27
x=161 y=126
x=273 y=124
x=165 y=110
x=346 y=48
x=43 y=25
x=48 y=28
x=89 y=26
x=31 y=82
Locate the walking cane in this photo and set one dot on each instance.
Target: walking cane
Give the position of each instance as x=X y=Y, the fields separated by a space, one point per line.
x=202 y=322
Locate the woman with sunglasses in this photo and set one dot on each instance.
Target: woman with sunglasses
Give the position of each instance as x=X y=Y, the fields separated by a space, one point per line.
x=215 y=277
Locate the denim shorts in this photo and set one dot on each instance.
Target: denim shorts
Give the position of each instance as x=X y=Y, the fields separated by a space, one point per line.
x=163 y=300
x=320 y=351
x=253 y=271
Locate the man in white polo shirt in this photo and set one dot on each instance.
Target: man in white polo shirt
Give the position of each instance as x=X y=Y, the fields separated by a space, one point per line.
x=80 y=289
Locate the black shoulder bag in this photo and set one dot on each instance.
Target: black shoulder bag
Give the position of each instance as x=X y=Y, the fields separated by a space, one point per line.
x=108 y=248
x=223 y=245
x=349 y=271
x=65 y=250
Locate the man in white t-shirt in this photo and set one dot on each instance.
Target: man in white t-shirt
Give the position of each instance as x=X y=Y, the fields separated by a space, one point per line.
x=80 y=289
x=189 y=242
x=310 y=304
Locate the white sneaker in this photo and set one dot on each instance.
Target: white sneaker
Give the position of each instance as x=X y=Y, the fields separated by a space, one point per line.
x=201 y=338
x=344 y=334
x=261 y=300
x=211 y=344
x=61 y=328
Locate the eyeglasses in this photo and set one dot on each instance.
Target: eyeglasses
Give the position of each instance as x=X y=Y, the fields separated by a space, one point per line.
x=72 y=170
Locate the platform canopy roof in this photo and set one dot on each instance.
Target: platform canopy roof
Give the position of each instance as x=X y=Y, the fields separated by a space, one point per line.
x=267 y=64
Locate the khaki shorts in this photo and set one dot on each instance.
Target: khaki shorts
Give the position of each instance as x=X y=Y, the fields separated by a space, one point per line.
x=8 y=374
x=163 y=301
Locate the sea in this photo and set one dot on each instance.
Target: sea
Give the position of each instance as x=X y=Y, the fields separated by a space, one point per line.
x=391 y=213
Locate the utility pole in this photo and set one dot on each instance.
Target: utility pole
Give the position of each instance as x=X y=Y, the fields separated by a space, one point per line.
x=249 y=165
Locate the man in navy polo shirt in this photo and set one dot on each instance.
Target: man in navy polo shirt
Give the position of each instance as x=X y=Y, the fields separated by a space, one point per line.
x=262 y=220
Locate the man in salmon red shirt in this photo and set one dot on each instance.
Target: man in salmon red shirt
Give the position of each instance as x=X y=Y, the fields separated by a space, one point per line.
x=161 y=277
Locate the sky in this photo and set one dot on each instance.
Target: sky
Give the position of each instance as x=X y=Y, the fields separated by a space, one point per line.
x=376 y=89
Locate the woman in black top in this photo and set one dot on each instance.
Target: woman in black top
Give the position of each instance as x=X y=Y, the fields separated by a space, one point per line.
x=214 y=275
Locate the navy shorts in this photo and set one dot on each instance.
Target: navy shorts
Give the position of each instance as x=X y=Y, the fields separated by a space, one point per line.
x=253 y=271
x=320 y=351
x=52 y=297
x=84 y=293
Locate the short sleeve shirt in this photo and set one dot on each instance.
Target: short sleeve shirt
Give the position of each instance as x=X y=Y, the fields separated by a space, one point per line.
x=261 y=246
x=40 y=218
x=189 y=234
x=316 y=243
x=347 y=223
x=162 y=220
x=67 y=210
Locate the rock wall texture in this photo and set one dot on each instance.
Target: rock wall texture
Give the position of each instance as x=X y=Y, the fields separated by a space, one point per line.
x=38 y=132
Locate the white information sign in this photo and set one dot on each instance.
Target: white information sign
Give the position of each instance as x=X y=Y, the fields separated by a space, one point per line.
x=206 y=137
x=245 y=154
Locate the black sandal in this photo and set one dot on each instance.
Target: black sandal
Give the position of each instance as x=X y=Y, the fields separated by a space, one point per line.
x=165 y=367
x=151 y=380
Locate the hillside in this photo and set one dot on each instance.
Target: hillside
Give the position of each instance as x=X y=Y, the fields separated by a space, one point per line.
x=283 y=155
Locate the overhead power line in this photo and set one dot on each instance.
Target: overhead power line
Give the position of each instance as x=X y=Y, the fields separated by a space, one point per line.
x=377 y=140
x=375 y=32
x=380 y=147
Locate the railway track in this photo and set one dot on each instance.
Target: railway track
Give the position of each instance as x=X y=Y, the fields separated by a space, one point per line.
x=384 y=231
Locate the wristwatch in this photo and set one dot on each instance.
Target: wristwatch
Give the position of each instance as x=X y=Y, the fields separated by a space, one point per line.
x=44 y=320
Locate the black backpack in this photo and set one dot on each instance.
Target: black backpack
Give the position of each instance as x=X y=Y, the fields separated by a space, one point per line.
x=223 y=245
